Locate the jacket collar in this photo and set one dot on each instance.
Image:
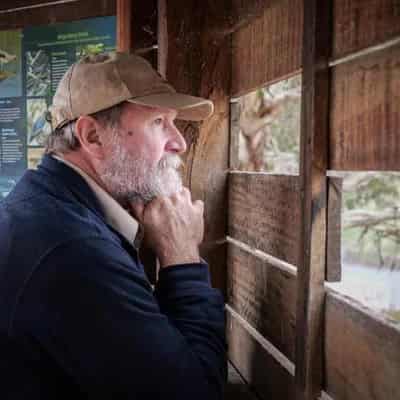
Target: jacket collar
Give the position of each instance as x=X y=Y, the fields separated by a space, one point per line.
x=73 y=184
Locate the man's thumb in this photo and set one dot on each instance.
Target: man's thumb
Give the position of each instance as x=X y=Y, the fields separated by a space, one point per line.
x=137 y=209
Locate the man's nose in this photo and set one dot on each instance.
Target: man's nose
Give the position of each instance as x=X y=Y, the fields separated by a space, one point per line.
x=176 y=143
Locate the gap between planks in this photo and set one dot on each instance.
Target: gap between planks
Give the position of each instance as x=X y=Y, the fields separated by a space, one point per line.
x=367 y=51
x=273 y=261
x=266 y=344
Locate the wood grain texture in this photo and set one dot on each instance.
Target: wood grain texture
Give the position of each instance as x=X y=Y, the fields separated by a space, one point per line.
x=124 y=24
x=57 y=13
x=362 y=353
x=264 y=374
x=365 y=113
x=269 y=48
x=264 y=212
x=195 y=62
x=263 y=295
x=363 y=23
x=334 y=231
x=313 y=166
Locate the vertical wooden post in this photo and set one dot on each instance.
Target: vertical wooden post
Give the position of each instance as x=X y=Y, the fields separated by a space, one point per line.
x=196 y=61
x=314 y=160
x=124 y=25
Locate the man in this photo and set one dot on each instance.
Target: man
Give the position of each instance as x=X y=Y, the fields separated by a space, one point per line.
x=78 y=317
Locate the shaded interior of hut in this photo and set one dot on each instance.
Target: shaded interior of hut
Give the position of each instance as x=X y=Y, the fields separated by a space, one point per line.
x=297 y=167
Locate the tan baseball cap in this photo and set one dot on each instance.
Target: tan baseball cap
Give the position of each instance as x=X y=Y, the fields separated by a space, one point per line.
x=97 y=82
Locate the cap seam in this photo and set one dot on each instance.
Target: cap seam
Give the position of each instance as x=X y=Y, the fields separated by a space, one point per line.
x=120 y=78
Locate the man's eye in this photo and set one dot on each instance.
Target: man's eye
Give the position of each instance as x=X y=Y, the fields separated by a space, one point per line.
x=158 y=121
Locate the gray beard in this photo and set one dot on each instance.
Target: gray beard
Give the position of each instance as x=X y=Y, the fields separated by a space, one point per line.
x=129 y=178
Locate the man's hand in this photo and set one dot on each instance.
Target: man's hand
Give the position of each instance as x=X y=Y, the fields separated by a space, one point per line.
x=173 y=226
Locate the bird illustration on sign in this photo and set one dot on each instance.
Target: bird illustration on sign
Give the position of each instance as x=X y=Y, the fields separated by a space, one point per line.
x=6 y=58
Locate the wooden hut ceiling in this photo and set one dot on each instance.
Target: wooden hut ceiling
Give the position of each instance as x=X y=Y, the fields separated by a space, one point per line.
x=21 y=15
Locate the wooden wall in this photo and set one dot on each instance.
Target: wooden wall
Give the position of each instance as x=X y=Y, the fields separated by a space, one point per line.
x=284 y=232
x=264 y=215
x=272 y=240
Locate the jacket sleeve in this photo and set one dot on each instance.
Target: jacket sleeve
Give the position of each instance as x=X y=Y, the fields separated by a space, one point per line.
x=102 y=323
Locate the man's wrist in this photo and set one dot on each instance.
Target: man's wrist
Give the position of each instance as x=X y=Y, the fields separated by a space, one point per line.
x=182 y=258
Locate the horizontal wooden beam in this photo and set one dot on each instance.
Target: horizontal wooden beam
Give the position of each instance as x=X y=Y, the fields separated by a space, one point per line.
x=59 y=12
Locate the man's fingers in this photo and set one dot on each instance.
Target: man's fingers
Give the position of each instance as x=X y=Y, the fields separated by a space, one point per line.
x=199 y=205
x=138 y=210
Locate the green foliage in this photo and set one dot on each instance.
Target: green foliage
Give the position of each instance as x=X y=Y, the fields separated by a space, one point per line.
x=374 y=198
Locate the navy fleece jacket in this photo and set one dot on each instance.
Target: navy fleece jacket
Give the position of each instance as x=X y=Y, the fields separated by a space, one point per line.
x=78 y=317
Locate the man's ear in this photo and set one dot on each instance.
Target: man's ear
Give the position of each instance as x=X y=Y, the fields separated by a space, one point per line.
x=88 y=132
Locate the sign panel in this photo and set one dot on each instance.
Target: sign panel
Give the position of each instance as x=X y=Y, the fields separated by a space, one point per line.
x=32 y=62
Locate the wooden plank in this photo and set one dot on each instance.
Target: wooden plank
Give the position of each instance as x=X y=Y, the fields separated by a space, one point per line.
x=362 y=23
x=334 y=231
x=137 y=28
x=269 y=48
x=57 y=13
x=265 y=375
x=264 y=212
x=124 y=23
x=264 y=296
x=195 y=62
x=365 y=113
x=362 y=352
x=313 y=166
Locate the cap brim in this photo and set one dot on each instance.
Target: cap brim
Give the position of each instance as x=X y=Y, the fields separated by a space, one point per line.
x=190 y=108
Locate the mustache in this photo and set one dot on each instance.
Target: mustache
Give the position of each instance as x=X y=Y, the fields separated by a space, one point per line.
x=170 y=161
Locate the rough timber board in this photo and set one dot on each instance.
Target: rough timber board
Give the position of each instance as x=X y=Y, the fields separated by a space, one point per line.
x=266 y=376
x=57 y=13
x=363 y=23
x=313 y=166
x=362 y=353
x=269 y=47
x=194 y=61
x=264 y=296
x=264 y=212
x=365 y=113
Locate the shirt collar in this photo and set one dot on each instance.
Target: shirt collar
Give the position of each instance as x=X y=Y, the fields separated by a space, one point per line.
x=115 y=215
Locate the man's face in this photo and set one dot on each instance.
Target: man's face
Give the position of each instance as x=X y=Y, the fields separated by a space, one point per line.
x=142 y=155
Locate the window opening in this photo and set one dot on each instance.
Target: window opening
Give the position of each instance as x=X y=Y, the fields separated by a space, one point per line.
x=268 y=128
x=370 y=240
